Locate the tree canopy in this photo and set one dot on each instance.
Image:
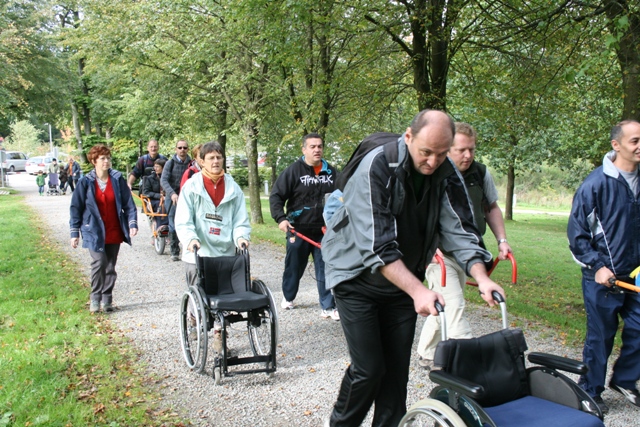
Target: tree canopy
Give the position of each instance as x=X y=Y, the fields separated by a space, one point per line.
x=542 y=81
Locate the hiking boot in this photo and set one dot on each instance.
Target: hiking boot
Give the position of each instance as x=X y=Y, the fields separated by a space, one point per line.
x=286 y=305
x=330 y=313
x=632 y=395
x=107 y=307
x=604 y=408
x=94 y=307
x=425 y=363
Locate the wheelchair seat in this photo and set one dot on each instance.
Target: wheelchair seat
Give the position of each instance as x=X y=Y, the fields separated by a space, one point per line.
x=226 y=284
x=225 y=295
x=484 y=382
x=546 y=414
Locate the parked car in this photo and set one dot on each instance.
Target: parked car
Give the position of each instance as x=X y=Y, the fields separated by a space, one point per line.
x=14 y=161
x=38 y=163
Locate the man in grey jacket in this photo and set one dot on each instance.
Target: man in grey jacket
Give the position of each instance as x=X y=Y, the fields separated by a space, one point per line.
x=376 y=249
x=170 y=181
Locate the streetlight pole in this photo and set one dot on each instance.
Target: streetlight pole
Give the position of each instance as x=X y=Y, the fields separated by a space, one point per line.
x=50 y=140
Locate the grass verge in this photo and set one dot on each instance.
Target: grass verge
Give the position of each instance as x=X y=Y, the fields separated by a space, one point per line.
x=59 y=365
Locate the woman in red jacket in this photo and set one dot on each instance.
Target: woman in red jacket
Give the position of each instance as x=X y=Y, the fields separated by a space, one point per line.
x=102 y=209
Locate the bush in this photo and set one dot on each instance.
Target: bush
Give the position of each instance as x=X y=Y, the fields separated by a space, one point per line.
x=241 y=176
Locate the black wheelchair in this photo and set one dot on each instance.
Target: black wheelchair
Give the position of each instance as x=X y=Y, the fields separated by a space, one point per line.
x=225 y=296
x=483 y=382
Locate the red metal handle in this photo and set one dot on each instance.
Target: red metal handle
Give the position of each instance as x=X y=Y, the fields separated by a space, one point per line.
x=514 y=269
x=443 y=271
x=305 y=238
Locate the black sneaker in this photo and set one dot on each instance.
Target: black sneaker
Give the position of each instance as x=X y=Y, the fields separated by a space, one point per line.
x=603 y=406
x=632 y=395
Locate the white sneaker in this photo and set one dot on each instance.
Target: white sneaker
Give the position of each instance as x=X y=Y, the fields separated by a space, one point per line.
x=330 y=313
x=286 y=305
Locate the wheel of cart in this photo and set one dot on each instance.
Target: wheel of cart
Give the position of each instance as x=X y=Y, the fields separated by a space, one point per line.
x=158 y=220
x=484 y=382
x=226 y=296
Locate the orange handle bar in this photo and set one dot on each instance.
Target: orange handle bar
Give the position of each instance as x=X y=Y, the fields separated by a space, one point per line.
x=514 y=269
x=305 y=238
x=443 y=271
x=626 y=285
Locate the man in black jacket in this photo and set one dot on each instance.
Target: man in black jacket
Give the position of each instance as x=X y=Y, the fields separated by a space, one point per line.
x=302 y=187
x=171 y=176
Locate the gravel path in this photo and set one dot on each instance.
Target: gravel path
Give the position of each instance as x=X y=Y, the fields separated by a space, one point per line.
x=312 y=354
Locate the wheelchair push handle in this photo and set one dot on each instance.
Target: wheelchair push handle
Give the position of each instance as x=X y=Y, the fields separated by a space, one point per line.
x=443 y=320
x=497 y=297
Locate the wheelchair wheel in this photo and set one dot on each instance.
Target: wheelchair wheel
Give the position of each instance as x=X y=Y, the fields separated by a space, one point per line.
x=193 y=330
x=431 y=412
x=263 y=323
x=159 y=244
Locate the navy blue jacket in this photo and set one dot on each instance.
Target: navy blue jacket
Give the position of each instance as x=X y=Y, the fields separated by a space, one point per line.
x=604 y=226
x=85 y=215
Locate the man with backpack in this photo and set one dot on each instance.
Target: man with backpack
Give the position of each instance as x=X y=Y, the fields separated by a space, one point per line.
x=378 y=242
x=145 y=163
x=484 y=197
x=170 y=181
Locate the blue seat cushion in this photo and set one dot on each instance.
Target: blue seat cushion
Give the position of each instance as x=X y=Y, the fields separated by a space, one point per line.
x=239 y=301
x=531 y=411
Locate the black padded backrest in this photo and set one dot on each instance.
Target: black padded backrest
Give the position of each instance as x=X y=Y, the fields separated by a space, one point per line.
x=494 y=361
x=223 y=275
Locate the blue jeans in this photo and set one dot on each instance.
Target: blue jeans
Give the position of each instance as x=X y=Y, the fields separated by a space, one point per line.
x=295 y=263
x=603 y=308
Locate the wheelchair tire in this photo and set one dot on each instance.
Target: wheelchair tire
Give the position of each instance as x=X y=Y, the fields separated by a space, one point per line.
x=263 y=324
x=431 y=412
x=193 y=330
x=159 y=243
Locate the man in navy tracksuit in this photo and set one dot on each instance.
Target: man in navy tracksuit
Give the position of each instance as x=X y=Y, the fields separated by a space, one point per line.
x=604 y=238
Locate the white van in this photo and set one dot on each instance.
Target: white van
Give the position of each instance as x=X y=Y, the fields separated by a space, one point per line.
x=13 y=161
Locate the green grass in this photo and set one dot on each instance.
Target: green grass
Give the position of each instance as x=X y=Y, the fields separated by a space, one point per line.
x=59 y=365
x=549 y=281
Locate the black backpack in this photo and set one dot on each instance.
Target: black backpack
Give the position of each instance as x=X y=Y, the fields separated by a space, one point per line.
x=387 y=139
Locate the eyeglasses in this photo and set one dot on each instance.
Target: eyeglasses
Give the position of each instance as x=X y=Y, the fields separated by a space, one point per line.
x=182 y=148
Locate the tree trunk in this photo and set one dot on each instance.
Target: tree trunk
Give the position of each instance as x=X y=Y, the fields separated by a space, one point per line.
x=86 y=112
x=251 y=149
x=628 y=53
x=511 y=185
x=221 y=125
x=76 y=127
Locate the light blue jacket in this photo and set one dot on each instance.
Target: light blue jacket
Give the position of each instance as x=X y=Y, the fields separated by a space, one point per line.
x=216 y=228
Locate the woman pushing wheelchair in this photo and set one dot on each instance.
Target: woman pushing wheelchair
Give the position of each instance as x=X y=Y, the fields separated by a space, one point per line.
x=211 y=214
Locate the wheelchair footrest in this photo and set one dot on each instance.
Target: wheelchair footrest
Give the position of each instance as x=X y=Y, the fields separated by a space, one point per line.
x=232 y=361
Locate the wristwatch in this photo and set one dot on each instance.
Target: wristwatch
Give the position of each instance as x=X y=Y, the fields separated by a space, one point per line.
x=502 y=241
